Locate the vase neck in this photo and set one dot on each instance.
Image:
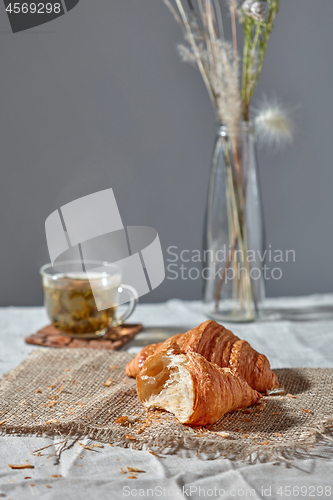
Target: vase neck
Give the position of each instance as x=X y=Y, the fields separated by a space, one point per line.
x=223 y=130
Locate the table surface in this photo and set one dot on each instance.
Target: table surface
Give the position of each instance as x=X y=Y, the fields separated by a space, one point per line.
x=97 y=474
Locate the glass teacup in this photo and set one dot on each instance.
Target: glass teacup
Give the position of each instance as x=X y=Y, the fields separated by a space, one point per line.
x=81 y=303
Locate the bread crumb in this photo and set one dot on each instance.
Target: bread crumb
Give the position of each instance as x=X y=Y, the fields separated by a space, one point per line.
x=21 y=466
x=122 y=420
x=108 y=382
x=135 y=469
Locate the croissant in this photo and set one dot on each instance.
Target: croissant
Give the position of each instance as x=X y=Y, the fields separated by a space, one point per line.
x=220 y=346
x=196 y=391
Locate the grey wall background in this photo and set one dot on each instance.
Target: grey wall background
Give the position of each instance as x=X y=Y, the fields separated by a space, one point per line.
x=98 y=98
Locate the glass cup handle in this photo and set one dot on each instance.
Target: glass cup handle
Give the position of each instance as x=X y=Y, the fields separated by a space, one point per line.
x=131 y=304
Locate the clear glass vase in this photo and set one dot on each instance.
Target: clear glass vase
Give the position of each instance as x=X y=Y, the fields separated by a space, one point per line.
x=233 y=247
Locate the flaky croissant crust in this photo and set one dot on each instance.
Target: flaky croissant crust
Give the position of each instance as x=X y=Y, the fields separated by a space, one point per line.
x=220 y=346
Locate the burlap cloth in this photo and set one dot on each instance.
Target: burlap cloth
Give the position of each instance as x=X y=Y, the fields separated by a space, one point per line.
x=82 y=393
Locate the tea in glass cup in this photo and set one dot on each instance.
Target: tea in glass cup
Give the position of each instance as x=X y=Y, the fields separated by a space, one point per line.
x=71 y=295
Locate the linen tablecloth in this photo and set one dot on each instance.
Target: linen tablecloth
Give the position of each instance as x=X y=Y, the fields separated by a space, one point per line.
x=99 y=473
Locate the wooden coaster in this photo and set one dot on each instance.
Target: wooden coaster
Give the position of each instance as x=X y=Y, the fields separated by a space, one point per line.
x=115 y=338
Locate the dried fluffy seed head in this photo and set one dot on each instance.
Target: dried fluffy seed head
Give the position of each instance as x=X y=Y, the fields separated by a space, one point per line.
x=273 y=124
x=259 y=10
x=186 y=54
x=246 y=7
x=256 y=10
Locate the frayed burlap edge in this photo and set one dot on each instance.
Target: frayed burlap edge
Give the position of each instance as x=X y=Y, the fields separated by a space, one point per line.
x=318 y=443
